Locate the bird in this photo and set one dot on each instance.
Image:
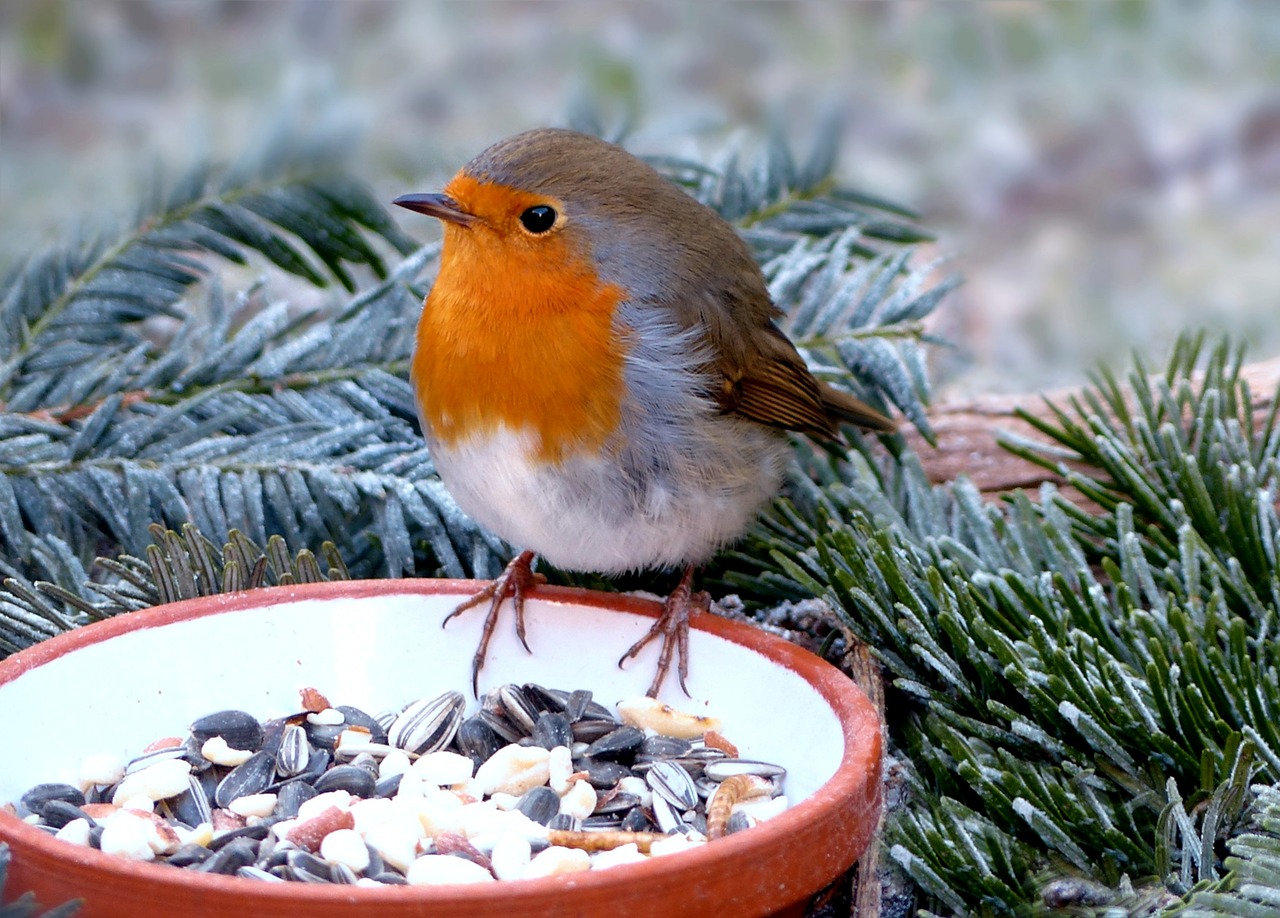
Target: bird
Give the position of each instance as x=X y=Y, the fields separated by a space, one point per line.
x=599 y=374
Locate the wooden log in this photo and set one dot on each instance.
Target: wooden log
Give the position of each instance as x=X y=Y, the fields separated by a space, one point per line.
x=967 y=433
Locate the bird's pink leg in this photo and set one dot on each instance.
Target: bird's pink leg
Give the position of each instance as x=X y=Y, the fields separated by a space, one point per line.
x=673 y=627
x=515 y=581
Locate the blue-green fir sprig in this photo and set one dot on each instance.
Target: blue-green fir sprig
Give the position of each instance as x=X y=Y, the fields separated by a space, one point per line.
x=1092 y=697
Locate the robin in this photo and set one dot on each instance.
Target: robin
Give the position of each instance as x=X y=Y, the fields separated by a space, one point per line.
x=598 y=373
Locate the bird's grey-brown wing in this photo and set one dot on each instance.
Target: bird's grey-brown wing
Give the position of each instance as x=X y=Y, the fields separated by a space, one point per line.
x=771 y=384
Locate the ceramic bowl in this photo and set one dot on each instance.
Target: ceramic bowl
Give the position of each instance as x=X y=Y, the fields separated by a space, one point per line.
x=116 y=685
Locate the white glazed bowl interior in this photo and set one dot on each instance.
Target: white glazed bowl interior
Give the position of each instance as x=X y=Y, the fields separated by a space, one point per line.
x=380 y=652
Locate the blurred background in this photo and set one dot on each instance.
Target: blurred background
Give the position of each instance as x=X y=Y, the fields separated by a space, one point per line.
x=1104 y=175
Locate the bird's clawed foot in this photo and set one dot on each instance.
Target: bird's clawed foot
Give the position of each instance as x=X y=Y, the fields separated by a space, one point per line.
x=515 y=581
x=673 y=627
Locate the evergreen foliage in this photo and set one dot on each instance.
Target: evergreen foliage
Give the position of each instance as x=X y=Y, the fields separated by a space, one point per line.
x=1087 y=705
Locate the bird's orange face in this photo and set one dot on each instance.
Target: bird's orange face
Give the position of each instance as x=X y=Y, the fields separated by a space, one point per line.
x=518 y=330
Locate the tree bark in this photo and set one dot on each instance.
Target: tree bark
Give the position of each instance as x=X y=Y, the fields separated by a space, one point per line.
x=967 y=433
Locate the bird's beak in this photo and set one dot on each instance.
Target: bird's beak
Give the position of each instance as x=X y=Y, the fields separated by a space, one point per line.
x=440 y=206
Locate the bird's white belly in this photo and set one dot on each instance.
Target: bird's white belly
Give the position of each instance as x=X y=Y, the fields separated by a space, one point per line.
x=589 y=513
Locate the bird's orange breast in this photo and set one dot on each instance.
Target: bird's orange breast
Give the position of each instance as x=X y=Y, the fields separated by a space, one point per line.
x=519 y=333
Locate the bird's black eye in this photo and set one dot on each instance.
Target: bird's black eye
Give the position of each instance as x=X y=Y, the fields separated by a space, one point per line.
x=538 y=219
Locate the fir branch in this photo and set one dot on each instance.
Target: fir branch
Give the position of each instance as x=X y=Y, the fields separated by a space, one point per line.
x=85 y=301
x=175 y=566
x=1251 y=888
x=1099 y=689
